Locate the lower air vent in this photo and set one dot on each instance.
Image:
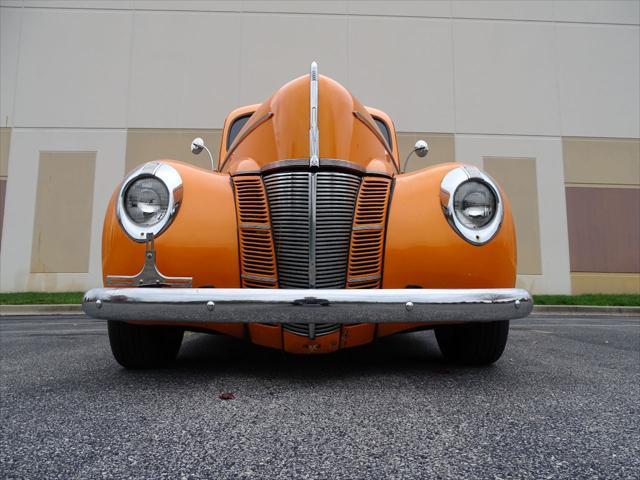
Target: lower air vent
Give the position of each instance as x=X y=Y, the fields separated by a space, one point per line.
x=311 y=331
x=257 y=262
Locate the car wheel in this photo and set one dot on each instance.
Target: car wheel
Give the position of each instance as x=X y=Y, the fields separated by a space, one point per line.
x=141 y=346
x=473 y=344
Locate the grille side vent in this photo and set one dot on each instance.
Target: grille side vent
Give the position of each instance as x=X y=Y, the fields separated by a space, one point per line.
x=367 y=235
x=257 y=260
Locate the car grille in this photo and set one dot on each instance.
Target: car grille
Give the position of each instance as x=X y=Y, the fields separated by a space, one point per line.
x=289 y=194
x=292 y=217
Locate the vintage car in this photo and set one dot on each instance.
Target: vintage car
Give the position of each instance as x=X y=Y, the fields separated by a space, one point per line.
x=307 y=237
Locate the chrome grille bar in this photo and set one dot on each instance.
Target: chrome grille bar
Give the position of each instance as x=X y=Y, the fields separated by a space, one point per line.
x=289 y=200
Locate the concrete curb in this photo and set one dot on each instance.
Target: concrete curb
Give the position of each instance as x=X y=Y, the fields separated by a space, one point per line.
x=61 y=309
x=584 y=310
x=76 y=309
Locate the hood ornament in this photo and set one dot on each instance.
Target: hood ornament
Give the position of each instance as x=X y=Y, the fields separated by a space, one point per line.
x=314 y=160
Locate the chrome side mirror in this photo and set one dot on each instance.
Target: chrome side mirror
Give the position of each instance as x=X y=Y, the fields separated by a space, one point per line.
x=421 y=148
x=197 y=145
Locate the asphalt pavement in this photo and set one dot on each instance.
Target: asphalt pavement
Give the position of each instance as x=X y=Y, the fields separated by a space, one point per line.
x=563 y=402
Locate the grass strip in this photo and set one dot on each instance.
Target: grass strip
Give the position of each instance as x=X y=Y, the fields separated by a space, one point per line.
x=594 y=300
x=40 y=298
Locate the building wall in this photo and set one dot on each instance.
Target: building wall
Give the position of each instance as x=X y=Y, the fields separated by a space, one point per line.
x=543 y=94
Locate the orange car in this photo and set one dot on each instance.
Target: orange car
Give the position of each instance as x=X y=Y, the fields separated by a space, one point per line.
x=307 y=237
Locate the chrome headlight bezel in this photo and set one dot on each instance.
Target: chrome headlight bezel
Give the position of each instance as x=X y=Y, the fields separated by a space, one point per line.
x=450 y=184
x=171 y=179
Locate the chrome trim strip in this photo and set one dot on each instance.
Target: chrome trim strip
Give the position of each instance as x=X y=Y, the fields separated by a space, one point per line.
x=255 y=226
x=303 y=163
x=314 y=134
x=368 y=278
x=313 y=194
x=258 y=278
x=344 y=306
x=367 y=227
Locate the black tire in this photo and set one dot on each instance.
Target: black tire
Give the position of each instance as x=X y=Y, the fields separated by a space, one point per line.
x=139 y=346
x=473 y=344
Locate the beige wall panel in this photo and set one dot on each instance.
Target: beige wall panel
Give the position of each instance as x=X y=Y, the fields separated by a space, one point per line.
x=276 y=48
x=146 y=144
x=582 y=283
x=22 y=192
x=441 y=149
x=518 y=177
x=184 y=70
x=62 y=224
x=73 y=69
x=5 y=145
x=554 y=243
x=607 y=161
x=604 y=11
x=405 y=8
x=604 y=229
x=500 y=9
x=505 y=79
x=10 y=25
x=598 y=70
x=413 y=55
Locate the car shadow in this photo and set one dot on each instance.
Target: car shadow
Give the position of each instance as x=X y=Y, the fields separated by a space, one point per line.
x=205 y=358
x=417 y=352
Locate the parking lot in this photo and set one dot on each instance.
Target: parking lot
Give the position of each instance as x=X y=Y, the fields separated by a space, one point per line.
x=562 y=402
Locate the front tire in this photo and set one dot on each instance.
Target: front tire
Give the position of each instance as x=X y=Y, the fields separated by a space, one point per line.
x=141 y=346
x=473 y=344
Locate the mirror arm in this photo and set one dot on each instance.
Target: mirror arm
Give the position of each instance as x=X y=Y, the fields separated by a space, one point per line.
x=406 y=160
x=213 y=167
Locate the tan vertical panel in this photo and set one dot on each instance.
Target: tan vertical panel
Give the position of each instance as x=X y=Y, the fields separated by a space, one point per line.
x=5 y=143
x=62 y=224
x=146 y=144
x=3 y=192
x=613 y=161
x=585 y=282
x=518 y=178
x=441 y=149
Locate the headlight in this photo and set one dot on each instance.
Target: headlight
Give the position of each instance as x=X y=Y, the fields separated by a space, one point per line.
x=471 y=203
x=149 y=200
x=474 y=204
x=146 y=201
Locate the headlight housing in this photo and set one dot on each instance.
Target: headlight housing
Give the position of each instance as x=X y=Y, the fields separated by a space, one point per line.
x=149 y=200
x=472 y=204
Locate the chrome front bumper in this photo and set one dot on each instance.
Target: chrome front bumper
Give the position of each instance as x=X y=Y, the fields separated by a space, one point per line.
x=244 y=305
